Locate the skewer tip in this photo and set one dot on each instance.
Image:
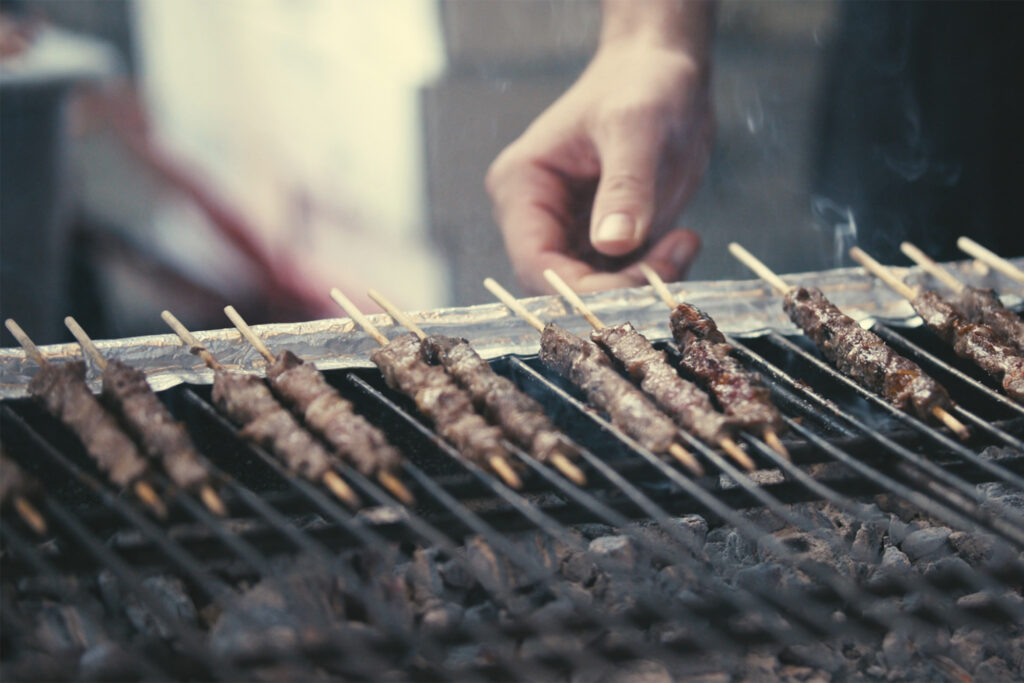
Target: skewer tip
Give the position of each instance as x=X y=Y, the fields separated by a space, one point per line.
x=569 y=469
x=775 y=443
x=340 y=488
x=148 y=496
x=505 y=471
x=686 y=459
x=734 y=451
x=396 y=487
x=213 y=501
x=30 y=515
x=955 y=425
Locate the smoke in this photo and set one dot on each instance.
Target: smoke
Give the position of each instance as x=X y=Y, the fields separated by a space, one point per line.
x=838 y=219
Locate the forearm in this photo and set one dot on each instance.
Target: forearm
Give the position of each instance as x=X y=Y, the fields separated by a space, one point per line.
x=685 y=25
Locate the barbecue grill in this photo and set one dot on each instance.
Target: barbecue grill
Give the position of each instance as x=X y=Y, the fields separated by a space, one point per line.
x=887 y=547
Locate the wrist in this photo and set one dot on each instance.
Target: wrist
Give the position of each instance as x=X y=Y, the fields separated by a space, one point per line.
x=679 y=25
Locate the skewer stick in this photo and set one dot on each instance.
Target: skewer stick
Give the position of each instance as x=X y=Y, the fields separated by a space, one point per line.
x=991 y=259
x=558 y=460
x=929 y=265
x=330 y=478
x=762 y=271
x=659 y=285
x=389 y=481
x=497 y=463
x=901 y=288
x=30 y=515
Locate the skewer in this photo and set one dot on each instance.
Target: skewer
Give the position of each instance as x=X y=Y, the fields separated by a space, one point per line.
x=30 y=515
x=726 y=443
x=991 y=259
x=498 y=464
x=206 y=492
x=676 y=450
x=762 y=271
x=929 y=265
x=770 y=437
x=330 y=478
x=558 y=460
x=388 y=480
x=142 y=489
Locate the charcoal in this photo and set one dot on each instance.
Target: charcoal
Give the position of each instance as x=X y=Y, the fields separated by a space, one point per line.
x=930 y=543
x=898 y=529
x=978 y=548
x=423 y=576
x=442 y=618
x=817 y=655
x=171 y=593
x=490 y=568
x=994 y=669
x=455 y=575
x=895 y=566
x=555 y=611
x=107 y=662
x=677 y=576
x=760 y=666
x=484 y=613
x=696 y=525
x=802 y=674
x=967 y=647
x=548 y=644
x=59 y=628
x=898 y=648
x=614 y=553
x=765 y=576
x=867 y=543
x=640 y=671
x=462 y=656
x=579 y=568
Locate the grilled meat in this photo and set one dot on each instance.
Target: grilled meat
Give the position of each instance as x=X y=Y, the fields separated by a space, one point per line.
x=707 y=356
x=689 y=406
x=863 y=356
x=127 y=392
x=63 y=392
x=439 y=398
x=14 y=481
x=520 y=417
x=978 y=343
x=982 y=306
x=584 y=364
x=247 y=401
x=304 y=388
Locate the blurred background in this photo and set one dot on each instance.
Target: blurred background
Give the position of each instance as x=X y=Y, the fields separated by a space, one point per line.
x=189 y=154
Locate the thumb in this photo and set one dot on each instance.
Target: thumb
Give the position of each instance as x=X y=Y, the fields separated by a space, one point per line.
x=624 y=201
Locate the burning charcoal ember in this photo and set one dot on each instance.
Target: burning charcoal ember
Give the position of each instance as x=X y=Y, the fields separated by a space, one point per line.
x=307 y=392
x=977 y=343
x=982 y=306
x=62 y=391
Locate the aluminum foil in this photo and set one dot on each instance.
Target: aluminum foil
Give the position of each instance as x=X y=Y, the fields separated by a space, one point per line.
x=740 y=307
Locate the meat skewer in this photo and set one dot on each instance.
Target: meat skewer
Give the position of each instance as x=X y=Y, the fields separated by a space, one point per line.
x=248 y=402
x=859 y=354
x=62 y=390
x=16 y=488
x=680 y=399
x=977 y=305
x=583 y=363
x=437 y=396
x=147 y=419
x=708 y=357
x=991 y=259
x=975 y=342
x=520 y=417
x=325 y=412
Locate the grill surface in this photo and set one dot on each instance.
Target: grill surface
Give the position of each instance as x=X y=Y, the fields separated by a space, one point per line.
x=477 y=580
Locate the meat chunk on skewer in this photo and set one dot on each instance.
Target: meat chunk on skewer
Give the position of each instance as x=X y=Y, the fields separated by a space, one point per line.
x=584 y=364
x=520 y=417
x=983 y=306
x=863 y=356
x=439 y=398
x=708 y=356
x=63 y=392
x=690 y=407
x=326 y=412
x=126 y=390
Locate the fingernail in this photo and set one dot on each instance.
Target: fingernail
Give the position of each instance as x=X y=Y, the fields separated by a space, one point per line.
x=616 y=227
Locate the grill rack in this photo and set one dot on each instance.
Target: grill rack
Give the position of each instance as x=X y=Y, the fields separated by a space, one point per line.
x=627 y=483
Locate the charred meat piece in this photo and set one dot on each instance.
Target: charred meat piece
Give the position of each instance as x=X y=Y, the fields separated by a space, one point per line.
x=439 y=398
x=63 y=392
x=304 y=388
x=689 y=406
x=247 y=401
x=126 y=390
x=978 y=343
x=14 y=482
x=708 y=357
x=584 y=364
x=863 y=356
x=520 y=417
x=982 y=306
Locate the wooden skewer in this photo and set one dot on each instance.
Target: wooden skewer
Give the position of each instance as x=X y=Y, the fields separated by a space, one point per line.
x=677 y=451
x=990 y=258
x=142 y=489
x=931 y=267
x=497 y=463
x=30 y=515
x=726 y=443
x=904 y=290
x=762 y=271
x=770 y=437
x=206 y=492
x=558 y=460
x=330 y=478
x=388 y=480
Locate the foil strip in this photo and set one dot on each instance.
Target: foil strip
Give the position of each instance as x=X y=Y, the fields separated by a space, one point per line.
x=743 y=308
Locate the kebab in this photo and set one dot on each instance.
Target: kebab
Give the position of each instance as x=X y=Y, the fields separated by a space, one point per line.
x=709 y=357
x=980 y=306
x=991 y=259
x=62 y=391
x=127 y=392
x=437 y=396
x=583 y=363
x=326 y=413
x=975 y=342
x=520 y=417
x=859 y=354
x=16 y=490
x=682 y=400
x=248 y=402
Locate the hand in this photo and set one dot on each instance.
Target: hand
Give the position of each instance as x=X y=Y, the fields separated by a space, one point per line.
x=606 y=171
